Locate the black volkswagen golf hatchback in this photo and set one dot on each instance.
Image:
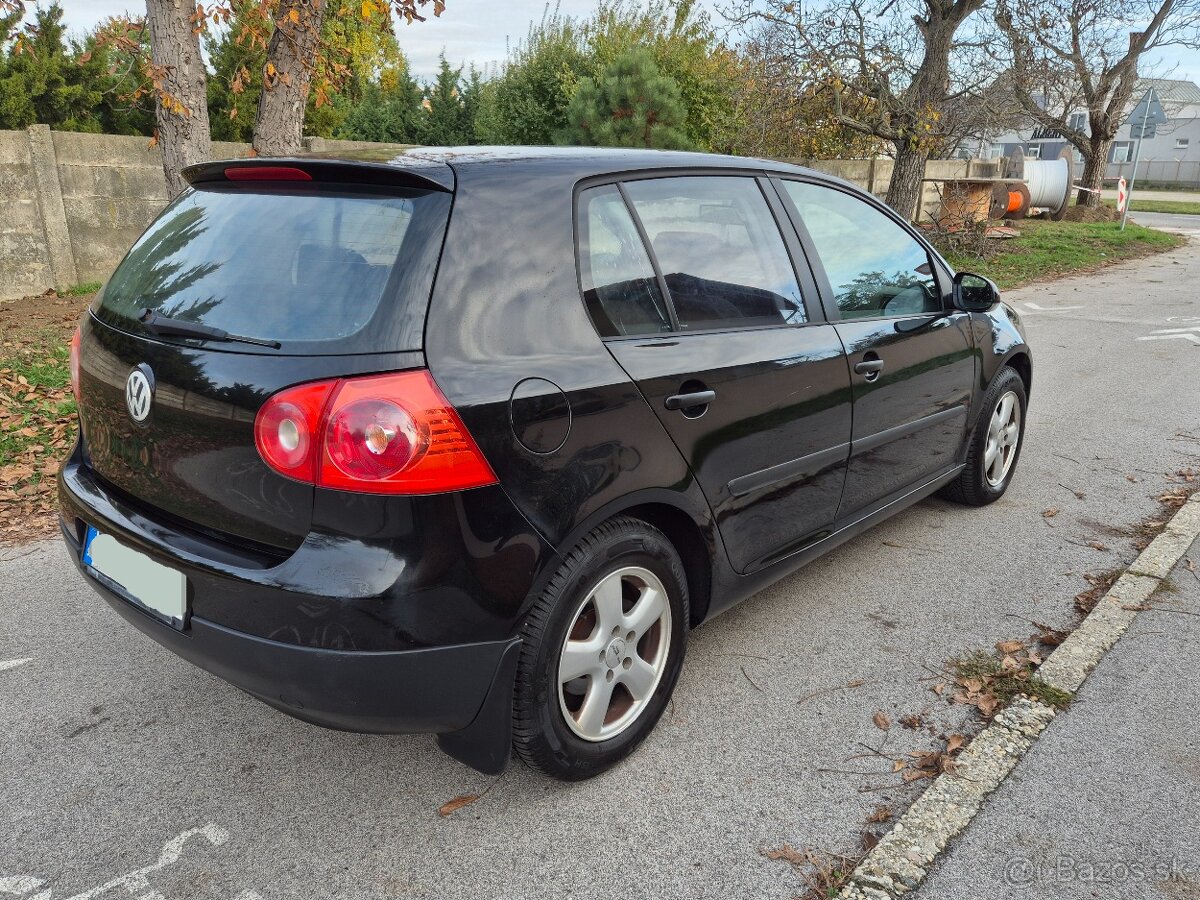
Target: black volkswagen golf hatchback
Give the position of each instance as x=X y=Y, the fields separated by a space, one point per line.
x=466 y=441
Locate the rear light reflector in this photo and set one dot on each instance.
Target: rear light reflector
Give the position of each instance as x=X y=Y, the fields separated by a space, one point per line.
x=380 y=434
x=266 y=173
x=289 y=426
x=74 y=357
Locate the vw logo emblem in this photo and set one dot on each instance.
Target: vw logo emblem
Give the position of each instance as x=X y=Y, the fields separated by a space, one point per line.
x=139 y=393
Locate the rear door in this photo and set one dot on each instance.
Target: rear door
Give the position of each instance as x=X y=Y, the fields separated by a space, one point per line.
x=911 y=356
x=726 y=341
x=329 y=279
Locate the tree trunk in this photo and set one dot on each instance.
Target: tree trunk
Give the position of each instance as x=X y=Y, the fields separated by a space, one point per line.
x=181 y=105
x=904 y=190
x=1095 y=162
x=291 y=54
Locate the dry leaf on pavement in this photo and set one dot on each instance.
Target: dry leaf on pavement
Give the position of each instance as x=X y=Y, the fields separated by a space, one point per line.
x=452 y=806
x=788 y=853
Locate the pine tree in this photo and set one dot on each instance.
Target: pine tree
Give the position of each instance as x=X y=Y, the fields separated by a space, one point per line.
x=632 y=104
x=236 y=58
x=448 y=120
x=113 y=58
x=43 y=84
x=389 y=114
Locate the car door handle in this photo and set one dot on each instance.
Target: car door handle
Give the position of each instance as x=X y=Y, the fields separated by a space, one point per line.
x=686 y=401
x=868 y=367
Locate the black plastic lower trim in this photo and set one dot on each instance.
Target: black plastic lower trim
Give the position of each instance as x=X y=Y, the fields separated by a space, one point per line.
x=438 y=689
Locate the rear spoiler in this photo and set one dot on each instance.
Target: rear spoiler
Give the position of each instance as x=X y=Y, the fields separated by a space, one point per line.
x=394 y=170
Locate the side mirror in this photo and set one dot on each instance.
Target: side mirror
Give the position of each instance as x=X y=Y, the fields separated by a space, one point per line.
x=974 y=293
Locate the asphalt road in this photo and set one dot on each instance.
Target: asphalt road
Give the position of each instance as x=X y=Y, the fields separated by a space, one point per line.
x=1110 y=193
x=127 y=772
x=1184 y=224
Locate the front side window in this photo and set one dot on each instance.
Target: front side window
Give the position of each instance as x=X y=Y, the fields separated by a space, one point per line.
x=875 y=267
x=719 y=250
x=619 y=286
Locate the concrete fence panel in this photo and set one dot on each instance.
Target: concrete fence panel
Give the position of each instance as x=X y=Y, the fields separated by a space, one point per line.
x=24 y=259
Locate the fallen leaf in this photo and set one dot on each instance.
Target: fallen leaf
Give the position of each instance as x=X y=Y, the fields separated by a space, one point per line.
x=1050 y=513
x=867 y=840
x=974 y=684
x=882 y=722
x=1096 y=545
x=1049 y=637
x=452 y=806
x=987 y=703
x=787 y=852
x=857 y=682
x=1007 y=647
x=881 y=813
x=954 y=743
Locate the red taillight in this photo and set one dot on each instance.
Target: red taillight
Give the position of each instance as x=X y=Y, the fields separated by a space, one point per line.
x=288 y=429
x=381 y=434
x=75 y=365
x=266 y=173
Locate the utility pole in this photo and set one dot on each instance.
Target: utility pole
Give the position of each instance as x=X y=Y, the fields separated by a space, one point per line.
x=1146 y=122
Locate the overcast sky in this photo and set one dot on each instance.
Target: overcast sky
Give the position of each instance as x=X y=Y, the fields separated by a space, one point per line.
x=470 y=30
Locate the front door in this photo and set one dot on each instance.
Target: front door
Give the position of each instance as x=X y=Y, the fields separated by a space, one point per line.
x=715 y=330
x=911 y=358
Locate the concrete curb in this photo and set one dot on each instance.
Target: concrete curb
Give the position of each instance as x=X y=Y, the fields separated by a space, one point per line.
x=902 y=859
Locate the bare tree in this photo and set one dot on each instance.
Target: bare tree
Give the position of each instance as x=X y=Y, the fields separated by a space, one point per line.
x=905 y=71
x=180 y=81
x=1071 y=55
x=783 y=110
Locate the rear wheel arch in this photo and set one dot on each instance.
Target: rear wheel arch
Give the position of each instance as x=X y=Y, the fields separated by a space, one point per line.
x=690 y=530
x=691 y=545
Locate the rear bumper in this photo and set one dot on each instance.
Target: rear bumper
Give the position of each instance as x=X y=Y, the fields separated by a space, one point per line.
x=460 y=690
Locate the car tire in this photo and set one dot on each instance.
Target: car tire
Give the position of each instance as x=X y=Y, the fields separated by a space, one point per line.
x=987 y=475
x=573 y=728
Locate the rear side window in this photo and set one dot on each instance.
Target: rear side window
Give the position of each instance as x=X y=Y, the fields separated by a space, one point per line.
x=319 y=269
x=875 y=267
x=619 y=286
x=720 y=251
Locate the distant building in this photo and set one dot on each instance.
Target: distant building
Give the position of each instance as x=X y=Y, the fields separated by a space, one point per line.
x=1172 y=155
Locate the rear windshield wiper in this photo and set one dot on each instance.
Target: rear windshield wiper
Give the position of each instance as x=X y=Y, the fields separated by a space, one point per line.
x=166 y=326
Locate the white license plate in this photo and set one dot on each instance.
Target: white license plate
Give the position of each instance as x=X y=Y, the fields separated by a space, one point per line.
x=149 y=584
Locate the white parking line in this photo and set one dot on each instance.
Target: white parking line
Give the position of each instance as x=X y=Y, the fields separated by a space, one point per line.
x=5 y=665
x=1027 y=308
x=1170 y=334
x=137 y=882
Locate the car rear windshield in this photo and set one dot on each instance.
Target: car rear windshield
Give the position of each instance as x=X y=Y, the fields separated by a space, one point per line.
x=319 y=269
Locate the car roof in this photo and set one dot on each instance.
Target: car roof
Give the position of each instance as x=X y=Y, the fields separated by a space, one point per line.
x=582 y=161
x=446 y=167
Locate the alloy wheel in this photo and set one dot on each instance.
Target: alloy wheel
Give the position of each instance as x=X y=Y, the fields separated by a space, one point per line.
x=1004 y=432
x=614 y=654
